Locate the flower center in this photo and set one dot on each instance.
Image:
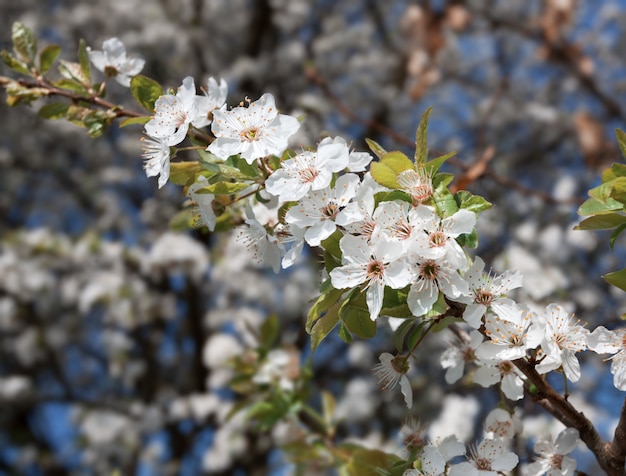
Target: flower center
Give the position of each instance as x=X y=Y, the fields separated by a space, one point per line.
x=375 y=269
x=505 y=367
x=308 y=174
x=429 y=270
x=556 y=461
x=437 y=239
x=250 y=135
x=402 y=230
x=330 y=211
x=483 y=297
x=482 y=463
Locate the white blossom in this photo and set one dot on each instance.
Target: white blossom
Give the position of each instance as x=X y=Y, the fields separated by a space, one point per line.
x=487 y=291
x=377 y=265
x=307 y=171
x=552 y=460
x=204 y=201
x=255 y=131
x=214 y=97
x=458 y=353
x=489 y=458
x=604 y=341
x=112 y=61
x=392 y=370
x=317 y=211
x=156 y=156
x=173 y=114
x=563 y=338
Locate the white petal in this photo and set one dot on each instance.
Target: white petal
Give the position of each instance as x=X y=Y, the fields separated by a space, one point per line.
x=567 y=441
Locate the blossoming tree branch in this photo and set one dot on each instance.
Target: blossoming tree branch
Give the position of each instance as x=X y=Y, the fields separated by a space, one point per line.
x=395 y=243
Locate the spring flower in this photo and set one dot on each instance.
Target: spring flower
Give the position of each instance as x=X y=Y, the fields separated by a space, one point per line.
x=156 y=156
x=317 y=211
x=552 y=460
x=112 y=61
x=266 y=249
x=432 y=276
x=358 y=161
x=204 y=201
x=417 y=184
x=489 y=458
x=439 y=239
x=255 y=131
x=214 y=98
x=174 y=113
x=434 y=457
x=377 y=265
x=510 y=339
x=456 y=355
x=391 y=371
x=504 y=372
x=563 y=338
x=488 y=291
x=604 y=341
x=307 y=171
x=499 y=424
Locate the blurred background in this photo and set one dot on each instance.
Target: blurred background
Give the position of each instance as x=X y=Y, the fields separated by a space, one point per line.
x=115 y=331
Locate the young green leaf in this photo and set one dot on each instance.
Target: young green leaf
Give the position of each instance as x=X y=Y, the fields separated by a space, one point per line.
x=602 y=222
x=145 y=91
x=47 y=57
x=384 y=175
x=376 y=148
x=54 y=110
x=421 y=148
x=617 y=278
x=24 y=43
x=83 y=60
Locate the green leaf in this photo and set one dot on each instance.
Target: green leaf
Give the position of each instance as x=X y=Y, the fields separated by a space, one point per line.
x=24 y=43
x=384 y=175
x=13 y=63
x=617 y=278
x=433 y=166
x=366 y=462
x=392 y=196
x=473 y=203
x=618 y=192
x=397 y=161
x=443 y=199
x=328 y=298
x=332 y=251
x=224 y=188
x=376 y=148
x=356 y=316
x=269 y=332
x=344 y=333
x=248 y=170
x=470 y=240
x=328 y=407
x=47 y=57
x=621 y=141
x=602 y=222
x=145 y=91
x=71 y=85
x=184 y=173
x=83 y=60
x=401 y=332
x=618 y=231
x=134 y=120
x=619 y=170
x=324 y=325
x=593 y=206
x=421 y=148
x=54 y=110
